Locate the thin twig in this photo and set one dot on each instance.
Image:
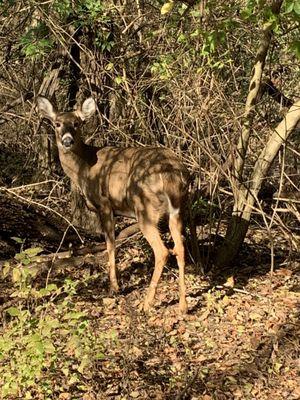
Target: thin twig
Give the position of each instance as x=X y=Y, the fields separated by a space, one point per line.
x=11 y=191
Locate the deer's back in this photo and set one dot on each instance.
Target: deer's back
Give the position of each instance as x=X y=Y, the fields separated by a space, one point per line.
x=131 y=175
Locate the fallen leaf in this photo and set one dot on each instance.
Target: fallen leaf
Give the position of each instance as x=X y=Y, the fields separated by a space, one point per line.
x=136 y=351
x=88 y=396
x=255 y=316
x=109 y=302
x=181 y=329
x=64 y=396
x=229 y=282
x=134 y=394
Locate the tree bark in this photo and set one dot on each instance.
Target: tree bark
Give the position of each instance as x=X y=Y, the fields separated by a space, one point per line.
x=240 y=220
x=46 y=148
x=253 y=94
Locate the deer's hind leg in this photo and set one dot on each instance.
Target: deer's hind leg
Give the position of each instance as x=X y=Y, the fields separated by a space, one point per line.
x=148 y=220
x=176 y=226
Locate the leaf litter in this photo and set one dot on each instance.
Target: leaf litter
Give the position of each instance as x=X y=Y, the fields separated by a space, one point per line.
x=238 y=341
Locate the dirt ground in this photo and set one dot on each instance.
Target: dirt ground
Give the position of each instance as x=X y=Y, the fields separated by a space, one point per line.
x=240 y=339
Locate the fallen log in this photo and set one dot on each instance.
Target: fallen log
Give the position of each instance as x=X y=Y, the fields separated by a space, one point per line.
x=74 y=257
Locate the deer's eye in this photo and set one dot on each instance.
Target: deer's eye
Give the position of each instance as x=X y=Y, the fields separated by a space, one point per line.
x=76 y=124
x=57 y=124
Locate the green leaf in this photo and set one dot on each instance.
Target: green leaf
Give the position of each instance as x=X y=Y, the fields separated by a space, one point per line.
x=16 y=275
x=167 y=7
x=118 y=79
x=43 y=292
x=33 y=251
x=52 y=322
x=195 y=33
x=39 y=347
x=48 y=290
x=19 y=256
x=26 y=261
x=74 y=315
x=182 y=8
x=109 y=66
x=63 y=7
x=13 y=311
x=277 y=367
x=17 y=239
x=35 y=343
x=49 y=347
x=52 y=287
x=73 y=379
x=295 y=46
x=297 y=7
x=85 y=362
x=289 y=6
x=6 y=269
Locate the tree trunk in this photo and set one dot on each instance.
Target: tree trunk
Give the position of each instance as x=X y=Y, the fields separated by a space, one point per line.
x=253 y=94
x=46 y=148
x=81 y=215
x=244 y=197
x=240 y=220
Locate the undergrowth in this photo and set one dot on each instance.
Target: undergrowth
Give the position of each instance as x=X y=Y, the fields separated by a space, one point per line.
x=47 y=344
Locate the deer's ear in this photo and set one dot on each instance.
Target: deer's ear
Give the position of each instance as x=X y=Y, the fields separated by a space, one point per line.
x=88 y=108
x=46 y=108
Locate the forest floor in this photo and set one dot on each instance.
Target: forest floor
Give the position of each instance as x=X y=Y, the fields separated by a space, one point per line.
x=62 y=335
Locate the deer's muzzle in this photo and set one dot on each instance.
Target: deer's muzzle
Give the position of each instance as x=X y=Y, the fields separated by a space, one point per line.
x=67 y=140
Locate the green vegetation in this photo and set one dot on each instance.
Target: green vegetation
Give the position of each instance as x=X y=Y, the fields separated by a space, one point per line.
x=46 y=344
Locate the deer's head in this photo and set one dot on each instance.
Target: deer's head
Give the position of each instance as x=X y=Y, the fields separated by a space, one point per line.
x=67 y=125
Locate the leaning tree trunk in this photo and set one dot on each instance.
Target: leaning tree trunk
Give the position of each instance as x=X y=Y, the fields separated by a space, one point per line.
x=247 y=196
x=244 y=196
x=253 y=95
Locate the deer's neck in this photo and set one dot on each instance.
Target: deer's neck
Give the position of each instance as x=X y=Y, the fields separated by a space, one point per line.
x=78 y=162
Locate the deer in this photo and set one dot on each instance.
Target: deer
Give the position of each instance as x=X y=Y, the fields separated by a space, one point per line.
x=146 y=183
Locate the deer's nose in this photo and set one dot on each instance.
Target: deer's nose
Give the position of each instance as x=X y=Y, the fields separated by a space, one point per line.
x=67 y=140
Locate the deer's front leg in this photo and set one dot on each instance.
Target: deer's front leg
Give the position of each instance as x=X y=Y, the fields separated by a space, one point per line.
x=108 y=226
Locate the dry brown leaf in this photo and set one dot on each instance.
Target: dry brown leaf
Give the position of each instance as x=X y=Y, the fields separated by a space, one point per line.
x=177 y=365
x=283 y=272
x=153 y=361
x=136 y=351
x=200 y=358
x=296 y=393
x=181 y=328
x=135 y=394
x=88 y=396
x=155 y=321
x=64 y=396
x=229 y=282
x=109 y=302
x=204 y=315
x=255 y=316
